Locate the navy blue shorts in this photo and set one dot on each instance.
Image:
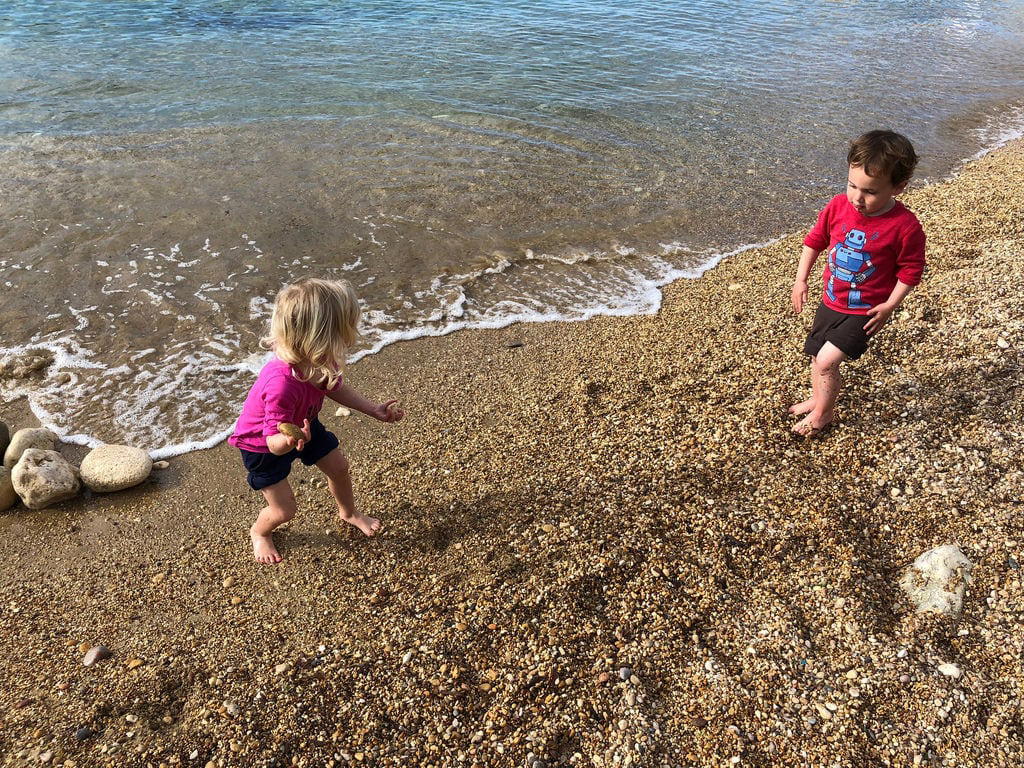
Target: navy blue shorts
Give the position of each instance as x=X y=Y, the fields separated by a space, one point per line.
x=266 y=469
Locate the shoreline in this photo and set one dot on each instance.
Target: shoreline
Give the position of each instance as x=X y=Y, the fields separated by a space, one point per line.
x=620 y=493
x=638 y=294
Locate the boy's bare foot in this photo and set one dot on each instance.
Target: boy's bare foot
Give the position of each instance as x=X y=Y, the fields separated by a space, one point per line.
x=809 y=426
x=263 y=549
x=365 y=523
x=799 y=409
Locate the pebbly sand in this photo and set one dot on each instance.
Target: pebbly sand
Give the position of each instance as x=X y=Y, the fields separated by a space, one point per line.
x=613 y=499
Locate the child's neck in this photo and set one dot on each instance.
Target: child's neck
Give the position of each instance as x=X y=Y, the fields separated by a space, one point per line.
x=889 y=207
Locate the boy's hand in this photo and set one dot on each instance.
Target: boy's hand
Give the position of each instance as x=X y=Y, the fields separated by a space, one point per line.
x=799 y=295
x=388 y=412
x=879 y=315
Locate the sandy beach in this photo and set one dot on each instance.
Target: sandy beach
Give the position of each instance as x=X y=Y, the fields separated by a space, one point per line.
x=601 y=547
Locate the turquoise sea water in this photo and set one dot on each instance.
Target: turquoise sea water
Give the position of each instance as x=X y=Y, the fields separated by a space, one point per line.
x=464 y=164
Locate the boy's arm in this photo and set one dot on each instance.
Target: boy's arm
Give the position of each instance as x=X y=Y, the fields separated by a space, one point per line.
x=909 y=267
x=350 y=398
x=807 y=259
x=880 y=313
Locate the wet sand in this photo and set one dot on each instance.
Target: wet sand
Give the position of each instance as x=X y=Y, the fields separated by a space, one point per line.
x=602 y=547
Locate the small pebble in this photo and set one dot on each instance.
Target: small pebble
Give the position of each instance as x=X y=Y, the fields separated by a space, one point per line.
x=96 y=653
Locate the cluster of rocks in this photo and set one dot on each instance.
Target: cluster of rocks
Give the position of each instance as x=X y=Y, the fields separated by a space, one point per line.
x=35 y=472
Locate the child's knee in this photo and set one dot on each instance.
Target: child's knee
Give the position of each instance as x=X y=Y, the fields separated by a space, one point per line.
x=342 y=465
x=825 y=366
x=337 y=467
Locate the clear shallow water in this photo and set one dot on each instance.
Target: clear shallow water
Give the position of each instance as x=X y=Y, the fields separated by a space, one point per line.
x=168 y=165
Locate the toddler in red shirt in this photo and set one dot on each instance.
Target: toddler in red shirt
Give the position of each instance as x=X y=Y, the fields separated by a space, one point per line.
x=875 y=257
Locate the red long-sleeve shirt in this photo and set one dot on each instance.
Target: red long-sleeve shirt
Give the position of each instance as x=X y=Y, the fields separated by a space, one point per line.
x=866 y=254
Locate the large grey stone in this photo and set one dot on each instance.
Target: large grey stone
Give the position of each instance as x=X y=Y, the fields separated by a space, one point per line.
x=42 y=478
x=30 y=437
x=7 y=494
x=113 y=467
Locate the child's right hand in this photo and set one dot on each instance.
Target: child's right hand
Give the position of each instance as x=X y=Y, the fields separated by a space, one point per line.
x=799 y=295
x=307 y=435
x=281 y=443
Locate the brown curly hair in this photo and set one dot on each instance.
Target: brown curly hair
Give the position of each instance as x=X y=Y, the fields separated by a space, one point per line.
x=884 y=152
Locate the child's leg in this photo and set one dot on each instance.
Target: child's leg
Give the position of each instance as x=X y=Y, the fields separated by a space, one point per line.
x=280 y=509
x=335 y=466
x=826 y=381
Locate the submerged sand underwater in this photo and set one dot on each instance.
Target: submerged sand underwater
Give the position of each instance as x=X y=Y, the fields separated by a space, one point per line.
x=601 y=548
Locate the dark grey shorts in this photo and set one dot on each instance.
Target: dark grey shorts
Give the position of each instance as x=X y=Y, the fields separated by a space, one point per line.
x=843 y=330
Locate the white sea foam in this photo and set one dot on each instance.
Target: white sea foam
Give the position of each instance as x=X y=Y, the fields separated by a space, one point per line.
x=645 y=298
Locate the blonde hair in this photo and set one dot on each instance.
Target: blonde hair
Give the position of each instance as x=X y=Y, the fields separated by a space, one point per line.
x=314 y=323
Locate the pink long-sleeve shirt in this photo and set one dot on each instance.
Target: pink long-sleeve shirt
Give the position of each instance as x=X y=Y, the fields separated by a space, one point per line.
x=278 y=395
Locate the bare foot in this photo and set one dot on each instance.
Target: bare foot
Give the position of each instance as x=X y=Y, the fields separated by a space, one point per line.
x=801 y=408
x=365 y=523
x=810 y=426
x=263 y=549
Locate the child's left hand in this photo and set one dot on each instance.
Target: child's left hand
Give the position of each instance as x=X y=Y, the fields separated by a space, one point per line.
x=388 y=412
x=879 y=315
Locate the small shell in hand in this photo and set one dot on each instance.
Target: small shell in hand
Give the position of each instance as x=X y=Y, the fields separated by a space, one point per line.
x=292 y=431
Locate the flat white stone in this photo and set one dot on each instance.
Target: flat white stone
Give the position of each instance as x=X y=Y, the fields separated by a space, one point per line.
x=114 y=467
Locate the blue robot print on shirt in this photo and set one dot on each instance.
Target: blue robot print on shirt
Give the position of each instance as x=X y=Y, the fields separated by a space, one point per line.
x=850 y=263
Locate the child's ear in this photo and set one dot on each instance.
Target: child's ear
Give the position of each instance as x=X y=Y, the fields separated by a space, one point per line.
x=900 y=188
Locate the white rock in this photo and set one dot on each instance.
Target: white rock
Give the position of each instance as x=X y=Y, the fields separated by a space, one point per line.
x=7 y=493
x=936 y=580
x=950 y=670
x=24 y=439
x=42 y=478
x=115 y=467
x=94 y=654
x=343 y=411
